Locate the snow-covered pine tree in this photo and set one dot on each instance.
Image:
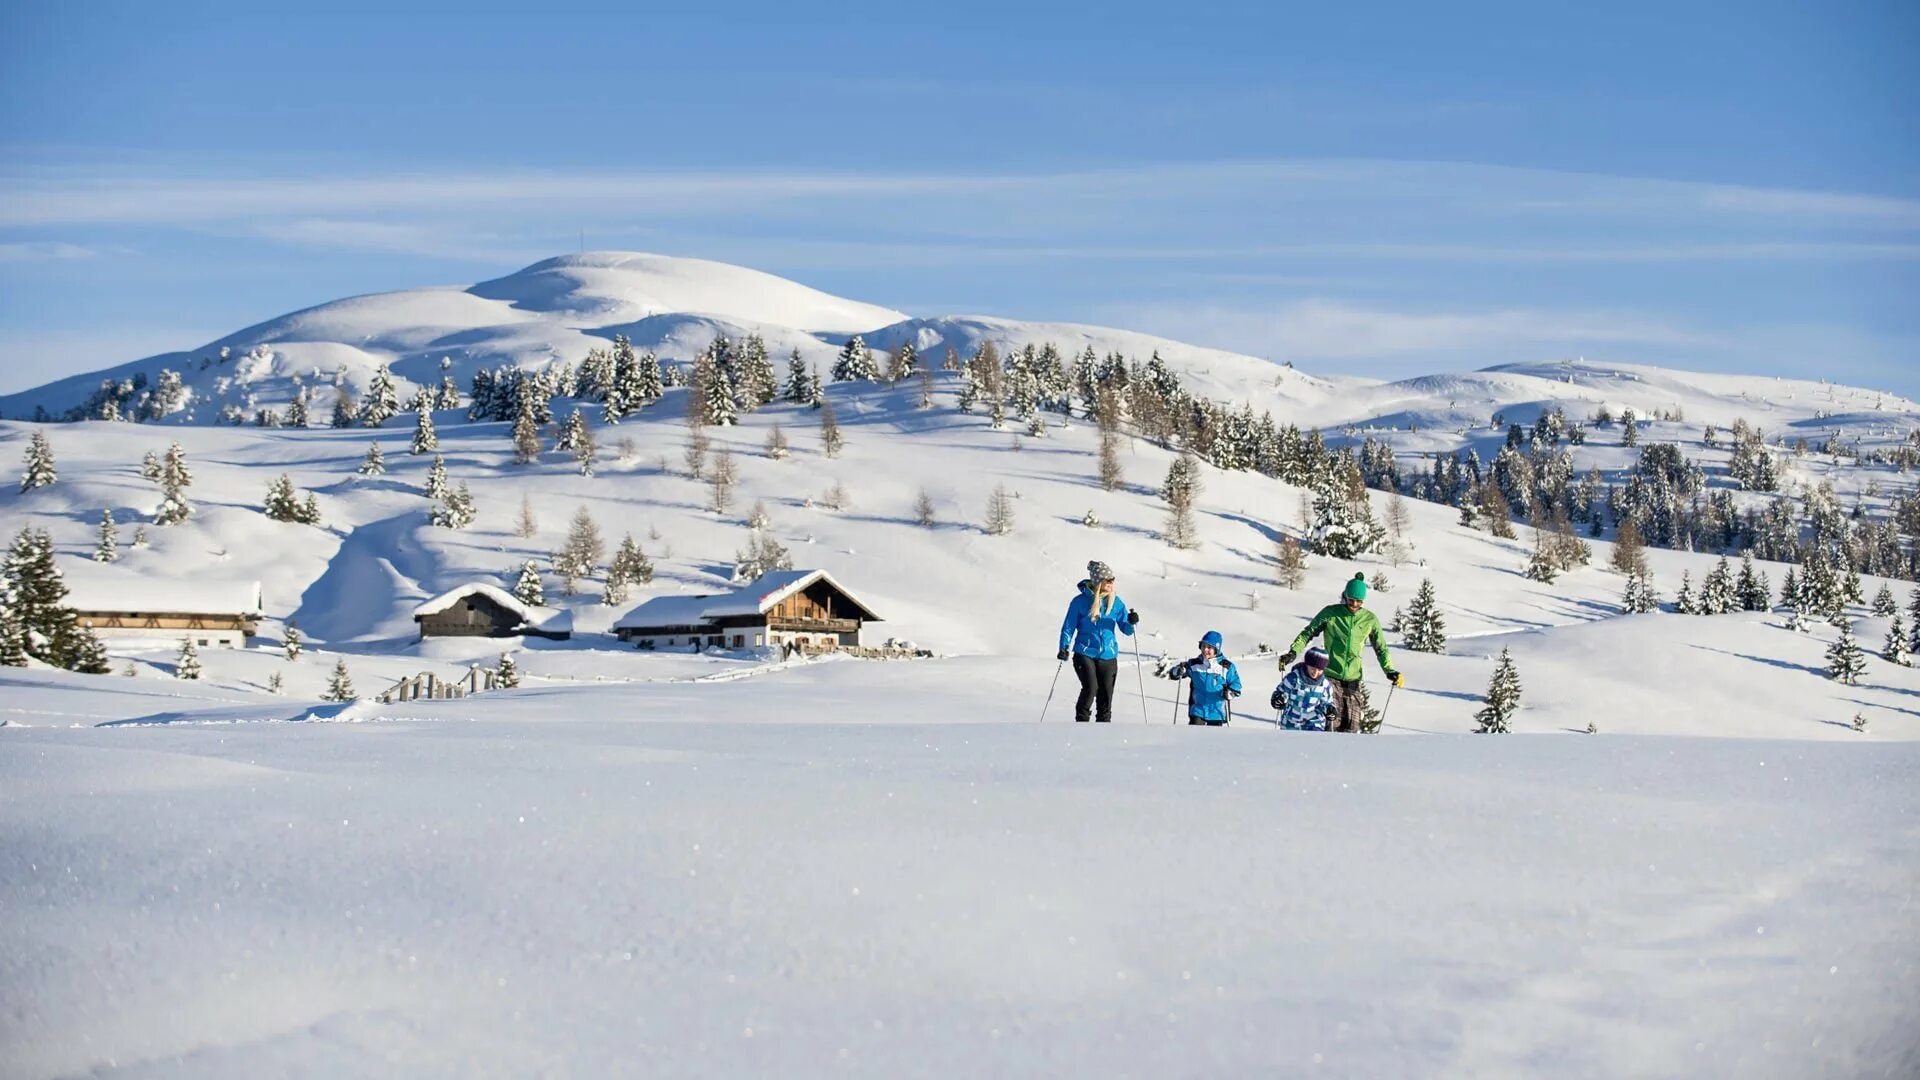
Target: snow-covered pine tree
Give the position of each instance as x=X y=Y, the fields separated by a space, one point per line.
x=107 y=548
x=383 y=402
x=776 y=446
x=1845 y=660
x=175 y=478
x=762 y=555
x=1541 y=565
x=339 y=684
x=1180 y=491
x=39 y=471
x=527 y=588
x=800 y=388
x=1751 y=588
x=903 y=362
x=638 y=568
x=90 y=653
x=926 y=388
x=830 y=438
x=454 y=510
x=585 y=449
x=758 y=383
x=1716 y=590
x=1913 y=619
x=291 y=643
x=150 y=467
x=139 y=536
x=526 y=433
x=280 y=504
x=1503 y=698
x=999 y=512
x=309 y=511
x=13 y=628
x=298 y=413
x=581 y=557
x=507 y=675
x=717 y=393
x=187 y=663
x=436 y=478
x=1883 y=602
x=1290 y=563
x=425 y=438
x=1684 y=603
x=1423 y=628
x=1855 y=591
x=1899 y=647
x=855 y=363
x=1640 y=598
x=375 y=463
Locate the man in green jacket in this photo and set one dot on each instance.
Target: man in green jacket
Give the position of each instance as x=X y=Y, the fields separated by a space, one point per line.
x=1348 y=625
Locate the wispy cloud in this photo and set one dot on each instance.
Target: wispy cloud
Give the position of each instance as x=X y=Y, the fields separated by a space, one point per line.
x=44 y=251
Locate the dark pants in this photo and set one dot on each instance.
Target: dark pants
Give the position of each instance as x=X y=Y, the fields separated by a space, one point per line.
x=1204 y=722
x=1096 y=679
x=1349 y=710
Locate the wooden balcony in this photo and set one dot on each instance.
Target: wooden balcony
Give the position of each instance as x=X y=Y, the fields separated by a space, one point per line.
x=794 y=624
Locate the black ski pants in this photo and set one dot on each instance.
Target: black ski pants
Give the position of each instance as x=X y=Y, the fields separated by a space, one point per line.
x=1096 y=681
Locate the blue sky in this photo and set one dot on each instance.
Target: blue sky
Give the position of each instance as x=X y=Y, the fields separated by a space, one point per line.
x=1386 y=189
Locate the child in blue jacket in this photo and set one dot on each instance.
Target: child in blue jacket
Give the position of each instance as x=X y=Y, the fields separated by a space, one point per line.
x=1213 y=679
x=1305 y=695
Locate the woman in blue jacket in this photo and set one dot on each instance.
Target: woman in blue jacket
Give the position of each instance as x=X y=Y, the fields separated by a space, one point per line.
x=1087 y=637
x=1214 y=680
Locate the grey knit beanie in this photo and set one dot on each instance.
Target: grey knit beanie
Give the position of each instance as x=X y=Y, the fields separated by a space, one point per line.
x=1098 y=572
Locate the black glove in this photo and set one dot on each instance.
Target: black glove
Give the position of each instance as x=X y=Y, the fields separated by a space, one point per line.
x=1287 y=658
x=1278 y=701
x=1133 y=617
x=1064 y=656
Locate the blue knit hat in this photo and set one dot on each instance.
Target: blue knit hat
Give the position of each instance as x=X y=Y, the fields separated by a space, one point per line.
x=1213 y=638
x=1356 y=589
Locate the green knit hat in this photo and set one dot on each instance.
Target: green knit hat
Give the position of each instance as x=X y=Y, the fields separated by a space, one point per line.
x=1356 y=589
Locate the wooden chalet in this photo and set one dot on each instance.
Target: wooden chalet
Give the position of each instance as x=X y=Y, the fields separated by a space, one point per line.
x=801 y=609
x=481 y=610
x=210 y=613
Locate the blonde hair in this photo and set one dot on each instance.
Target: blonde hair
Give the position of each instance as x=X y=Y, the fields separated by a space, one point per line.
x=1104 y=595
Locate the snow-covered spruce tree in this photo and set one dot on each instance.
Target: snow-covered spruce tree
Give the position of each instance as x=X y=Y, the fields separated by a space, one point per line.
x=758 y=384
x=175 y=478
x=527 y=588
x=585 y=450
x=455 y=510
x=382 y=403
x=187 y=663
x=107 y=548
x=923 y=514
x=1913 y=618
x=1899 y=647
x=526 y=526
x=290 y=644
x=1495 y=511
x=1716 y=591
x=855 y=363
x=1640 y=598
x=999 y=512
x=1423 y=628
x=1855 y=592
x=800 y=388
x=1845 y=660
x=1180 y=491
x=139 y=536
x=436 y=478
x=572 y=430
x=13 y=629
x=526 y=433
x=339 y=684
x=425 y=438
x=1111 y=476
x=280 y=504
x=636 y=567
x=761 y=555
x=717 y=392
x=309 y=511
x=1750 y=589
x=507 y=675
x=375 y=463
x=1290 y=563
x=150 y=467
x=39 y=471
x=776 y=445
x=1883 y=602
x=90 y=653
x=830 y=439
x=1684 y=603
x=904 y=361
x=1541 y=565
x=1503 y=698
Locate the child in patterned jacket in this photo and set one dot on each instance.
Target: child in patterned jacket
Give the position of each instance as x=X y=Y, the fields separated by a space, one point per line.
x=1305 y=695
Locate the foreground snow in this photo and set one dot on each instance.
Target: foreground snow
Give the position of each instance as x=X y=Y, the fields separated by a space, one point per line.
x=675 y=887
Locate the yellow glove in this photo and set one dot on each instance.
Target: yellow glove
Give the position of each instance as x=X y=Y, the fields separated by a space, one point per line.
x=1397 y=679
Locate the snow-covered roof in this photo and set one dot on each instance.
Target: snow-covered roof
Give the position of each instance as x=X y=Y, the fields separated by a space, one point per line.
x=92 y=587
x=540 y=618
x=752 y=598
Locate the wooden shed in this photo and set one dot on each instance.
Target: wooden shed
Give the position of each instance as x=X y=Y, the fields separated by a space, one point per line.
x=481 y=610
x=208 y=612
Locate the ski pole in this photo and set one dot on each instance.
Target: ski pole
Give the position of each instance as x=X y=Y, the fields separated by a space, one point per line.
x=1391 y=687
x=1176 y=704
x=1051 y=687
x=1139 y=679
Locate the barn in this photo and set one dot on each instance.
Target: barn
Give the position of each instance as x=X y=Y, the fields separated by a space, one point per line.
x=210 y=613
x=481 y=610
x=803 y=609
